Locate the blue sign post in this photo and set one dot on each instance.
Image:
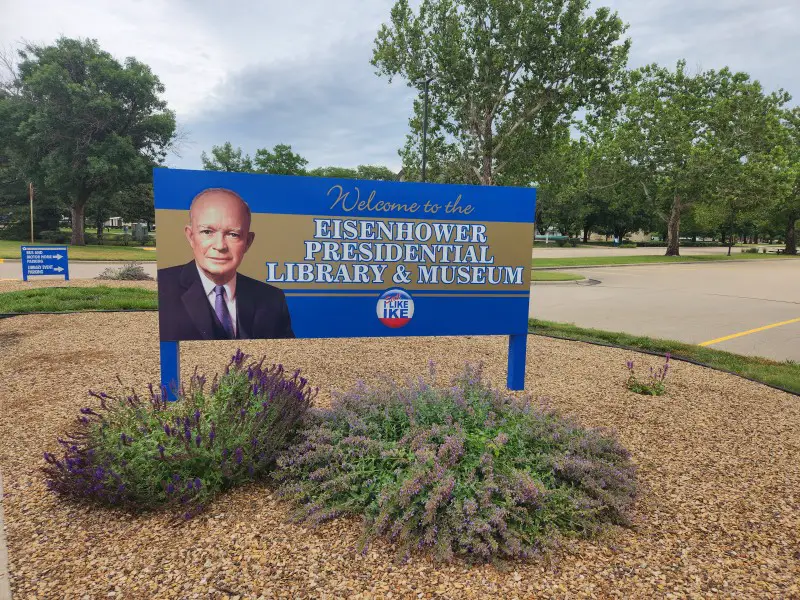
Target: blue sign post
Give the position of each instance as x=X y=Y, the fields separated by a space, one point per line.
x=44 y=260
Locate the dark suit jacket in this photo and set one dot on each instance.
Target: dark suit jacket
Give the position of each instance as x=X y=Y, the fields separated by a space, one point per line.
x=184 y=312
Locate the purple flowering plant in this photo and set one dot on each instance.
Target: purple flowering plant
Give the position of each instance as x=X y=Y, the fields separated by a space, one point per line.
x=461 y=470
x=651 y=385
x=144 y=452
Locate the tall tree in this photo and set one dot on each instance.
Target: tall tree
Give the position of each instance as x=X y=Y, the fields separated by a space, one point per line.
x=335 y=172
x=279 y=161
x=226 y=158
x=786 y=213
x=373 y=172
x=745 y=163
x=505 y=74
x=661 y=118
x=84 y=123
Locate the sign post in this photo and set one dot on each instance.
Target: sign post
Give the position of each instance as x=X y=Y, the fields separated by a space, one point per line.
x=170 y=368
x=44 y=260
x=271 y=256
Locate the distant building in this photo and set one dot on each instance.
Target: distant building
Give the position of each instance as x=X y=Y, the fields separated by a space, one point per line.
x=113 y=222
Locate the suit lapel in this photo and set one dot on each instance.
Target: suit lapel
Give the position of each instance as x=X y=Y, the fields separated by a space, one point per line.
x=195 y=301
x=245 y=309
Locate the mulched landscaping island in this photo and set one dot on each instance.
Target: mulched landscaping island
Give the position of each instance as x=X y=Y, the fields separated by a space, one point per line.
x=719 y=458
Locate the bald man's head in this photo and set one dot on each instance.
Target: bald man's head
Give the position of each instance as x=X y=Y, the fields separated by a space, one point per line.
x=218 y=195
x=219 y=233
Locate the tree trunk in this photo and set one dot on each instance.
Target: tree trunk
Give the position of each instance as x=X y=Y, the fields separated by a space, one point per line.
x=730 y=244
x=486 y=162
x=791 y=235
x=78 y=211
x=585 y=235
x=99 y=225
x=674 y=228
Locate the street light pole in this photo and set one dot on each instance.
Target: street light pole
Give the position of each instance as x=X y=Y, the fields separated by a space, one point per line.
x=426 y=83
x=30 y=195
x=425 y=132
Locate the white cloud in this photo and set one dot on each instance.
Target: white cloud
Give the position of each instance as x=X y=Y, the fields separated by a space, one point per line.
x=262 y=72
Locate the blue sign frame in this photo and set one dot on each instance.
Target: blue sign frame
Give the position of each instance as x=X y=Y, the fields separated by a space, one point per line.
x=449 y=311
x=38 y=261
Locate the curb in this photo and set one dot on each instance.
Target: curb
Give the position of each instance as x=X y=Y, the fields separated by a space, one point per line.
x=658 y=264
x=663 y=355
x=78 y=312
x=583 y=282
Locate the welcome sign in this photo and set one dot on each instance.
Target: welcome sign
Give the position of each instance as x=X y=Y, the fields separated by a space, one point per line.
x=245 y=256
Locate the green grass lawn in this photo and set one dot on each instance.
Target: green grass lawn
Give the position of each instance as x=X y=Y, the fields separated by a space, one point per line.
x=71 y=299
x=782 y=374
x=555 y=276
x=587 y=261
x=10 y=249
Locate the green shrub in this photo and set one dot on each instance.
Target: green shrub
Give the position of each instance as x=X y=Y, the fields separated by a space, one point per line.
x=464 y=470
x=54 y=237
x=749 y=250
x=652 y=385
x=561 y=242
x=129 y=272
x=153 y=453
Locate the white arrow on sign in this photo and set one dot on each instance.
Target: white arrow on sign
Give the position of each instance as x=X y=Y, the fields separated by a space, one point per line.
x=58 y=256
x=58 y=269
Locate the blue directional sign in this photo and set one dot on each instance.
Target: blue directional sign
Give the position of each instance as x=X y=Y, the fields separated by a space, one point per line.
x=44 y=260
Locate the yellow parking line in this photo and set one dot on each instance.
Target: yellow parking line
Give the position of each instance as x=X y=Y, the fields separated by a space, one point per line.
x=748 y=332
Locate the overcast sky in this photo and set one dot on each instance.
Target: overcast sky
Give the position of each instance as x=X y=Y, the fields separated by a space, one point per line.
x=258 y=73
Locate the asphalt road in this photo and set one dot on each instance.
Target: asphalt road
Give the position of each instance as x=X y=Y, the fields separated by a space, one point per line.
x=693 y=303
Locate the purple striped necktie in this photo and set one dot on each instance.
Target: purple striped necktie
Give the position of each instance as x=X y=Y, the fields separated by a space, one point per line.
x=221 y=308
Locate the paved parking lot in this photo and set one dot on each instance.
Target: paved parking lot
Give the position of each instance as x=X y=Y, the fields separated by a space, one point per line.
x=693 y=303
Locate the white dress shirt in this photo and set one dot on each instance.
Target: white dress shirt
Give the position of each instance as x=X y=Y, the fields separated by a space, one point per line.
x=230 y=296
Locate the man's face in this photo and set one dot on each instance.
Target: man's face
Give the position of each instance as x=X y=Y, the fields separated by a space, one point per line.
x=219 y=235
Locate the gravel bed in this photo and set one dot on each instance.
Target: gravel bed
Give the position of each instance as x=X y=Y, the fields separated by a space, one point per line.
x=719 y=459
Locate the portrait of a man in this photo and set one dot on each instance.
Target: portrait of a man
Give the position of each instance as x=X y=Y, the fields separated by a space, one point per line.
x=206 y=298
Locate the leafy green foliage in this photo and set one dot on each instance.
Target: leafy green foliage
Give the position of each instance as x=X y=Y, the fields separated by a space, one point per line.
x=151 y=453
x=81 y=125
x=225 y=158
x=695 y=141
x=279 y=161
x=373 y=172
x=464 y=470
x=505 y=74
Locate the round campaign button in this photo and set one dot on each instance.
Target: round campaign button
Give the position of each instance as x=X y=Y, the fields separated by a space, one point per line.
x=395 y=308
